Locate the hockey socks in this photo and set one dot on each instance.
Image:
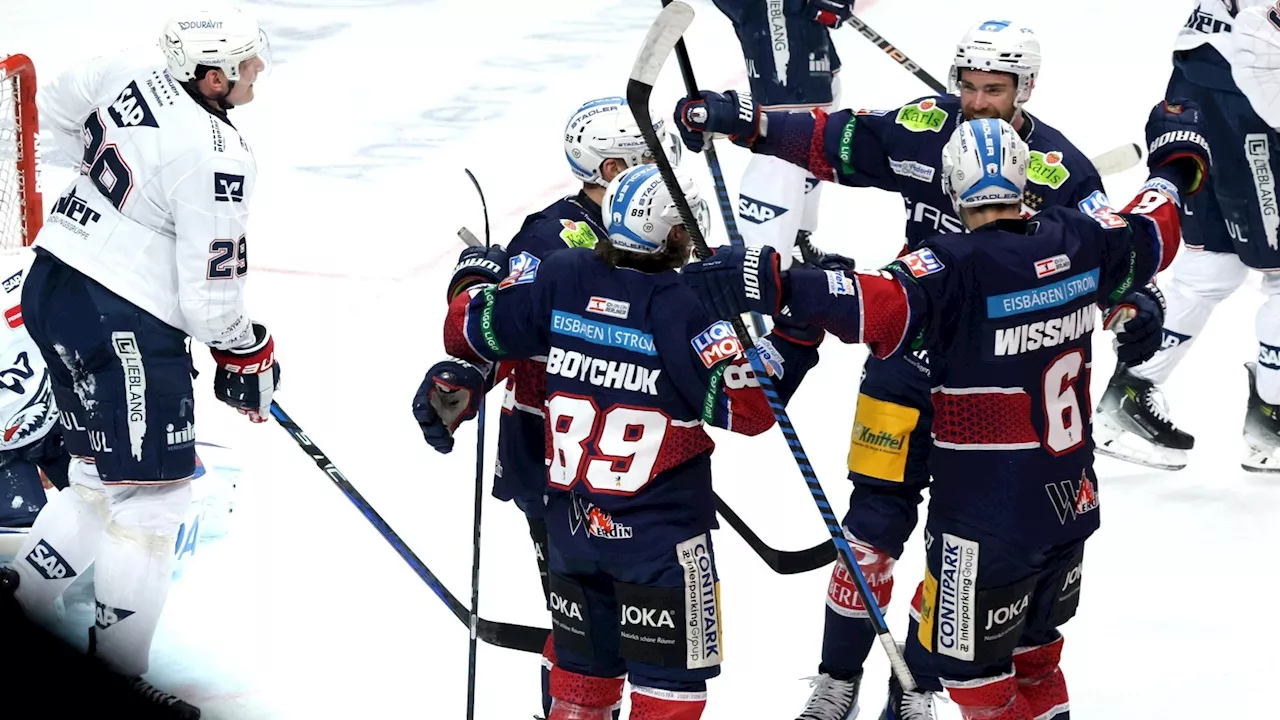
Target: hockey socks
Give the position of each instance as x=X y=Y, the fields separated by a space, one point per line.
x=654 y=704
x=1040 y=680
x=583 y=697
x=62 y=544
x=1201 y=280
x=993 y=698
x=134 y=570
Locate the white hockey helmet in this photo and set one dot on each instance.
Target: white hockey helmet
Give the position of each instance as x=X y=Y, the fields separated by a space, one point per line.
x=220 y=36
x=604 y=128
x=999 y=46
x=984 y=163
x=639 y=211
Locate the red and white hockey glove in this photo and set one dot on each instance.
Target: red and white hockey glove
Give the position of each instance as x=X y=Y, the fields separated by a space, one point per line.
x=247 y=377
x=876 y=565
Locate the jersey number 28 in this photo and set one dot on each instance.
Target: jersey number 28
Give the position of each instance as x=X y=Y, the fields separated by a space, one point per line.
x=613 y=451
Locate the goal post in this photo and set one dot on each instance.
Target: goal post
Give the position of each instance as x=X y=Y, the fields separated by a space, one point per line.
x=21 y=209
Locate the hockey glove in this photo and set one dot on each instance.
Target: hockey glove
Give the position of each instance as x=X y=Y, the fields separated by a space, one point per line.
x=478 y=266
x=247 y=377
x=1138 y=322
x=789 y=328
x=738 y=279
x=832 y=13
x=449 y=395
x=734 y=114
x=1177 y=149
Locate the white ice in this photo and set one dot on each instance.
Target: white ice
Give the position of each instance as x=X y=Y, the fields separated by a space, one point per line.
x=362 y=132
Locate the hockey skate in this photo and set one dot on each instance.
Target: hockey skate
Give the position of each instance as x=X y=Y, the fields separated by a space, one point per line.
x=831 y=699
x=903 y=705
x=1261 y=430
x=1132 y=424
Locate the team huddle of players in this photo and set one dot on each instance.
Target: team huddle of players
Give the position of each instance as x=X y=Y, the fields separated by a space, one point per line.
x=616 y=350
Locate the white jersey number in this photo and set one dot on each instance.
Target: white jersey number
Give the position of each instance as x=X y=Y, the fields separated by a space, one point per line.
x=1065 y=427
x=627 y=441
x=102 y=163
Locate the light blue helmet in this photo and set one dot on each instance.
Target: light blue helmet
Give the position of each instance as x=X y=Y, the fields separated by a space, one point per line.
x=605 y=128
x=639 y=212
x=984 y=163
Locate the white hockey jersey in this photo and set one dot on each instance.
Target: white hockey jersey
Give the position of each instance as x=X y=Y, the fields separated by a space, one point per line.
x=158 y=213
x=1247 y=34
x=27 y=409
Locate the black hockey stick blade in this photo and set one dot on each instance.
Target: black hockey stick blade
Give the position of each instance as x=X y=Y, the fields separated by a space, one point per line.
x=783 y=562
x=514 y=637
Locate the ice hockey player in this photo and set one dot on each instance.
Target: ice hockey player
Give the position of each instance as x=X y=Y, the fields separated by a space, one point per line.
x=635 y=371
x=994 y=70
x=1227 y=59
x=1008 y=311
x=31 y=447
x=791 y=66
x=143 y=252
x=601 y=140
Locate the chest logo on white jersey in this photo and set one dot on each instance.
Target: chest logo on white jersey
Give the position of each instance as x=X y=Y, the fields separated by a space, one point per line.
x=130 y=110
x=228 y=187
x=13 y=282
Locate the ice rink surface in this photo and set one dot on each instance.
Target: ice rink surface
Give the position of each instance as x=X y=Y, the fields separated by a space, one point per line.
x=362 y=132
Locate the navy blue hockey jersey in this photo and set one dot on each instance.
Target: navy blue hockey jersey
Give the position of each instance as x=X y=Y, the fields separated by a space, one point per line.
x=521 y=473
x=635 y=370
x=900 y=150
x=1007 y=312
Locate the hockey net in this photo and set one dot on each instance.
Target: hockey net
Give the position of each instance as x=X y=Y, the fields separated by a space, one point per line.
x=20 y=205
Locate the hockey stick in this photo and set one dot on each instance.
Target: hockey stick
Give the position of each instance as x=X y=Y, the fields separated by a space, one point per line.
x=515 y=637
x=658 y=44
x=713 y=165
x=479 y=503
x=783 y=562
x=898 y=56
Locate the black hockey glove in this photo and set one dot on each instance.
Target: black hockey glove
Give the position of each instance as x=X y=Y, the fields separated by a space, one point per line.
x=1138 y=322
x=449 y=395
x=734 y=114
x=246 y=378
x=478 y=266
x=1177 y=149
x=737 y=280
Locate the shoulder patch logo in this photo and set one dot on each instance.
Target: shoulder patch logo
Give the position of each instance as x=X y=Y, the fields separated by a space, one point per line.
x=1052 y=265
x=607 y=306
x=922 y=262
x=522 y=269
x=1047 y=169
x=130 y=110
x=924 y=116
x=578 y=234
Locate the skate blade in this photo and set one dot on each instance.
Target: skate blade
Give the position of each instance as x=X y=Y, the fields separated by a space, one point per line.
x=1128 y=448
x=1261 y=459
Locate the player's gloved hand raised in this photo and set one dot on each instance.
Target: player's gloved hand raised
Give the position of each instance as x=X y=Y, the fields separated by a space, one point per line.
x=1176 y=147
x=733 y=113
x=449 y=395
x=478 y=266
x=832 y=13
x=1138 y=321
x=246 y=378
x=738 y=279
